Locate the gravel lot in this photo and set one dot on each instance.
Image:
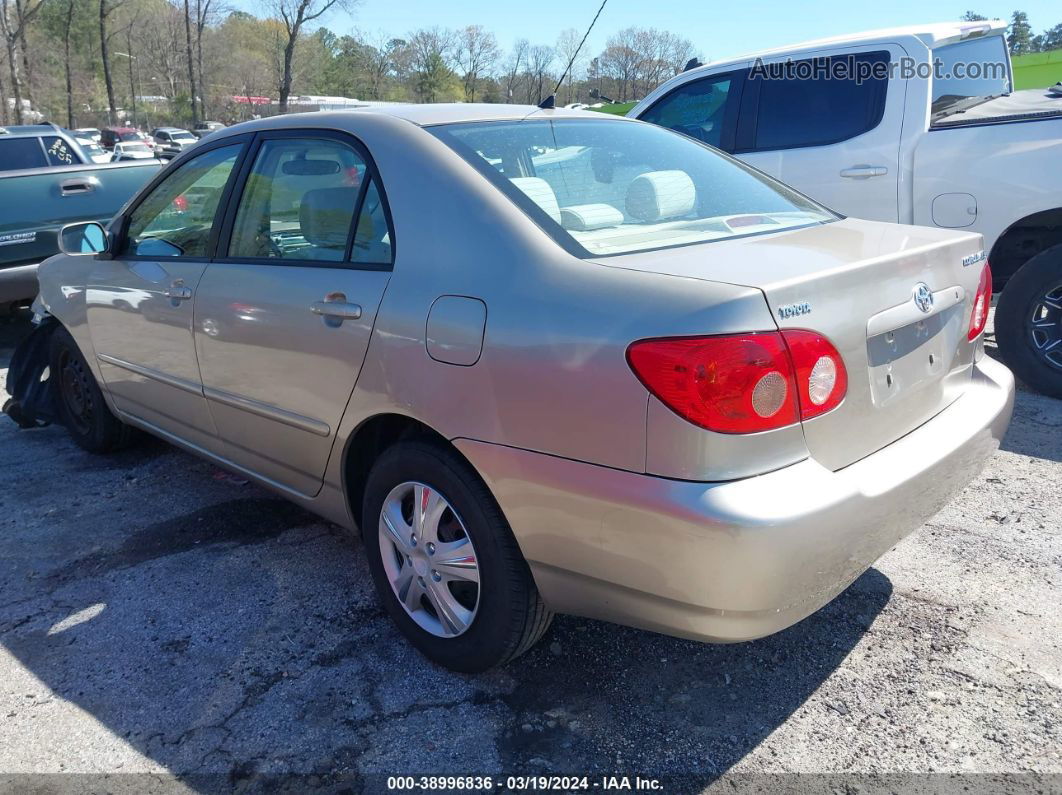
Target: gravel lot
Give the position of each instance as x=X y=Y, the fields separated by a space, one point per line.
x=158 y=616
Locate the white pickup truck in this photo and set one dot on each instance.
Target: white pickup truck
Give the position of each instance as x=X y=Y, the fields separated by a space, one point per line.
x=917 y=125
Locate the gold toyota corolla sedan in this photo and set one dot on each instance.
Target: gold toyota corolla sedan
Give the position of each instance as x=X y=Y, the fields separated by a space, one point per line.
x=545 y=360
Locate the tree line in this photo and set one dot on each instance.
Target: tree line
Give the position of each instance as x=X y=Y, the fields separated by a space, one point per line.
x=1020 y=36
x=155 y=62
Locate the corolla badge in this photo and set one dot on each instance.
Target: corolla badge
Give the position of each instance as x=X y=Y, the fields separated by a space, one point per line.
x=973 y=259
x=923 y=297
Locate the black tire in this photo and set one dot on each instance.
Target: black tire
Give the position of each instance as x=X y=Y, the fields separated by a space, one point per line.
x=511 y=616
x=1019 y=343
x=79 y=400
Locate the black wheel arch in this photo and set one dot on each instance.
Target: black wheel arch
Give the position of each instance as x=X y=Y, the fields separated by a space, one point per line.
x=1023 y=240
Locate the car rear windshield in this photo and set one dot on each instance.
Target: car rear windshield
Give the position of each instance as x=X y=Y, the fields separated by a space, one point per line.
x=968 y=73
x=609 y=186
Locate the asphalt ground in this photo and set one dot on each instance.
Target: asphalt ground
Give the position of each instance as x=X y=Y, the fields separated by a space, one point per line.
x=165 y=625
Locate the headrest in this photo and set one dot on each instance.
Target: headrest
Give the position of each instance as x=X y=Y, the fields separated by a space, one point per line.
x=540 y=192
x=659 y=195
x=324 y=216
x=584 y=217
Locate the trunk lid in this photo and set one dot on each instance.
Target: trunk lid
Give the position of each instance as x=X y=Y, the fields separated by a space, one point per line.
x=855 y=282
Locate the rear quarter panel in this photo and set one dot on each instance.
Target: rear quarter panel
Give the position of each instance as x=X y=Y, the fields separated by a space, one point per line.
x=1010 y=169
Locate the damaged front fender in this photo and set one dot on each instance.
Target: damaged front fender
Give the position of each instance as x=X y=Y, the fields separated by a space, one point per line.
x=29 y=381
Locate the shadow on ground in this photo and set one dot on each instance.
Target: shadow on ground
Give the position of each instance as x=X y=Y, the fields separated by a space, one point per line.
x=241 y=641
x=230 y=637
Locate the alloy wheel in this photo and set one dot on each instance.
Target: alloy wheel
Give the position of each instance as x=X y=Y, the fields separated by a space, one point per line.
x=1045 y=327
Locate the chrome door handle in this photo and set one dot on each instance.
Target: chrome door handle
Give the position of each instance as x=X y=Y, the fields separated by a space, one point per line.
x=76 y=186
x=177 y=292
x=863 y=172
x=336 y=309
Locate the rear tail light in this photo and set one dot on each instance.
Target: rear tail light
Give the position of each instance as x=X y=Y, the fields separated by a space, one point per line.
x=982 y=301
x=820 y=373
x=742 y=383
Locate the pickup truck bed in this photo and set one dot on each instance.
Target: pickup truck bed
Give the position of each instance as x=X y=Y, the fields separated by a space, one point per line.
x=36 y=204
x=1029 y=105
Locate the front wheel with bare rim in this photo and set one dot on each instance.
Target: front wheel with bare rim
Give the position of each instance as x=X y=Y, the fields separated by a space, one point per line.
x=80 y=402
x=445 y=562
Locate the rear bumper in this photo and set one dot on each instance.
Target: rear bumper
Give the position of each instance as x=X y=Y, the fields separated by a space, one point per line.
x=18 y=283
x=736 y=560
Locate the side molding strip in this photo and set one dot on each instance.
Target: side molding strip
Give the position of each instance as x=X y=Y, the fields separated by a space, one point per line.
x=303 y=423
x=170 y=380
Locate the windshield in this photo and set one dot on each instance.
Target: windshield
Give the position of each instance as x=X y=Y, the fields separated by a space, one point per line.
x=182 y=136
x=134 y=147
x=129 y=136
x=968 y=73
x=612 y=187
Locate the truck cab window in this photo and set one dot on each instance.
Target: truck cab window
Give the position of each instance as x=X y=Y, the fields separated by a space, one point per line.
x=20 y=153
x=697 y=109
x=799 y=107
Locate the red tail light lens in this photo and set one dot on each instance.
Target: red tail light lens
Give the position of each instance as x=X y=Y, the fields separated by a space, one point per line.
x=820 y=372
x=982 y=301
x=742 y=383
x=734 y=384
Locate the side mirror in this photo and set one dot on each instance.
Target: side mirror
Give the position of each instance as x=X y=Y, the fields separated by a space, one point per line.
x=81 y=239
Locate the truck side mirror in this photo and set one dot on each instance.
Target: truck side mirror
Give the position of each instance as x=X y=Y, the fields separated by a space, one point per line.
x=82 y=239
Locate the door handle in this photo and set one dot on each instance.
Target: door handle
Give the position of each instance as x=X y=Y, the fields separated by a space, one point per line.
x=336 y=309
x=76 y=186
x=178 y=292
x=335 y=305
x=864 y=172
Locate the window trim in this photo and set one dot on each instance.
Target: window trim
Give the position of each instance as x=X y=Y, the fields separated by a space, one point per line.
x=371 y=173
x=121 y=221
x=750 y=108
x=731 y=118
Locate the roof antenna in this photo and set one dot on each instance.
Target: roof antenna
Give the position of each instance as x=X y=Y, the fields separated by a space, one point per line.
x=550 y=102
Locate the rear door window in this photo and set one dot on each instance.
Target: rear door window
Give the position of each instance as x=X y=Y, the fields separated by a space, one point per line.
x=19 y=153
x=300 y=202
x=817 y=102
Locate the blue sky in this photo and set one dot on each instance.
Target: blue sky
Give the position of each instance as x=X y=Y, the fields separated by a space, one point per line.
x=716 y=29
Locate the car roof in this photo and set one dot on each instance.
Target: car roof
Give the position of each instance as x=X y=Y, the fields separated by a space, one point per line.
x=420 y=115
x=456 y=112
x=26 y=130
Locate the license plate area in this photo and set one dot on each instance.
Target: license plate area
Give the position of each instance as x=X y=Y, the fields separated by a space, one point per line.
x=910 y=358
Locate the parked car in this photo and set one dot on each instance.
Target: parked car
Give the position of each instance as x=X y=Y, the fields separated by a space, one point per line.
x=547 y=360
x=90 y=132
x=204 y=128
x=92 y=150
x=49 y=179
x=945 y=151
x=132 y=150
x=171 y=141
x=112 y=135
